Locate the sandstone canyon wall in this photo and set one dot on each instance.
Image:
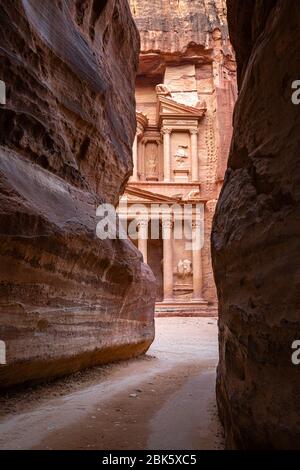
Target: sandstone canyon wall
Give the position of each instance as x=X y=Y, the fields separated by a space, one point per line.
x=185 y=45
x=256 y=230
x=68 y=299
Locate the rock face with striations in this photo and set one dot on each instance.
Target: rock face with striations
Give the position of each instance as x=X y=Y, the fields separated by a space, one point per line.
x=255 y=239
x=68 y=299
x=178 y=30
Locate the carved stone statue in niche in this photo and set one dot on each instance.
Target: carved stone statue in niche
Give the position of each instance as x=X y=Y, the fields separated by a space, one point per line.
x=152 y=161
x=181 y=154
x=184 y=268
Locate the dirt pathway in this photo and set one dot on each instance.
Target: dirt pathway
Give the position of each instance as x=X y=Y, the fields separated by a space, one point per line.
x=164 y=400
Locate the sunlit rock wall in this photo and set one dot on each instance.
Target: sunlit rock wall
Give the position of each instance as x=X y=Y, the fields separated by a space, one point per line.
x=68 y=300
x=178 y=26
x=255 y=240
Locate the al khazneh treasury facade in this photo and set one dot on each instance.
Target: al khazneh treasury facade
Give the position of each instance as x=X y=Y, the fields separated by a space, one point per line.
x=185 y=93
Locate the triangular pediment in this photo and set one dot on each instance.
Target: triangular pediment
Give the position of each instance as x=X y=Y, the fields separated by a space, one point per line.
x=133 y=193
x=132 y=199
x=169 y=107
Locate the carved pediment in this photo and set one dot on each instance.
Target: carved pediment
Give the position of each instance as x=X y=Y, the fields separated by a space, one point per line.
x=168 y=108
x=133 y=193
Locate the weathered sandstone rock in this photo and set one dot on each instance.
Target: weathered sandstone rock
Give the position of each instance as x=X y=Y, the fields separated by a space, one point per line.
x=255 y=239
x=173 y=29
x=68 y=299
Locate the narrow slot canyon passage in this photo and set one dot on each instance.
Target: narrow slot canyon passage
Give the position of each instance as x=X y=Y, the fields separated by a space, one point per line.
x=149 y=224
x=163 y=400
x=147 y=134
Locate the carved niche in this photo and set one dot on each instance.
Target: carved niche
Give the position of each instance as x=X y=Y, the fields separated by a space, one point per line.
x=152 y=161
x=181 y=163
x=184 y=268
x=183 y=286
x=181 y=155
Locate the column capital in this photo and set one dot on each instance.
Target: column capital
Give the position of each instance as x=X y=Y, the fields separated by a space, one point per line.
x=143 y=222
x=167 y=222
x=194 y=131
x=166 y=130
x=196 y=223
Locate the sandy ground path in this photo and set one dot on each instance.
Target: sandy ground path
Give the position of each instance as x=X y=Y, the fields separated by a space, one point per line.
x=164 y=400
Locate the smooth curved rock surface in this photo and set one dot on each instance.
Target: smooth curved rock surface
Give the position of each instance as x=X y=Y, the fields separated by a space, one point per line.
x=255 y=238
x=68 y=300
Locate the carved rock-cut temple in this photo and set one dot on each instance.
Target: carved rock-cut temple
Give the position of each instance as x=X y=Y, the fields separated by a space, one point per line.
x=185 y=93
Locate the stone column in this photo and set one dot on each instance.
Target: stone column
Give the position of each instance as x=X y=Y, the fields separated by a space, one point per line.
x=142 y=160
x=167 y=233
x=167 y=154
x=135 y=159
x=197 y=260
x=194 y=154
x=143 y=238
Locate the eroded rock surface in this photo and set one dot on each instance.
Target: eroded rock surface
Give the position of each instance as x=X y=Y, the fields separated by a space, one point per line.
x=177 y=29
x=68 y=299
x=255 y=237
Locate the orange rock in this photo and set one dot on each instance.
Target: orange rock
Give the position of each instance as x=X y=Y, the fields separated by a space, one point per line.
x=256 y=230
x=68 y=300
